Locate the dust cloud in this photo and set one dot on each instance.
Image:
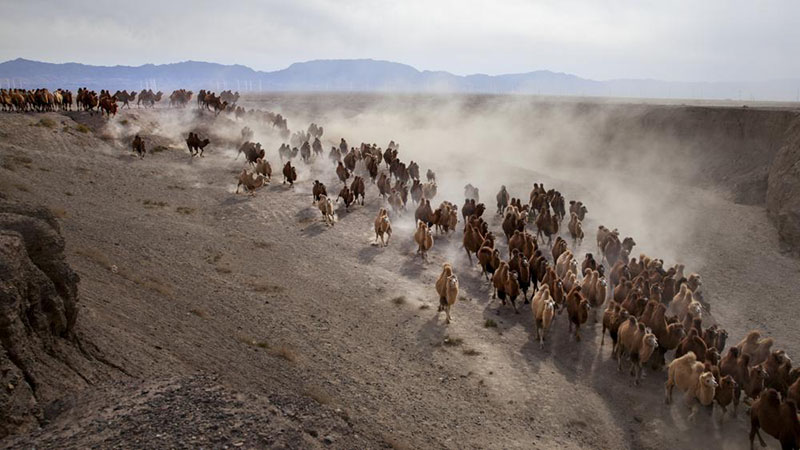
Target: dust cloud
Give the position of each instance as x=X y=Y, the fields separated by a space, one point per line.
x=630 y=177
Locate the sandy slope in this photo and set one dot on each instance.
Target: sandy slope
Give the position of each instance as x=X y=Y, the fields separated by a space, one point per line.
x=255 y=299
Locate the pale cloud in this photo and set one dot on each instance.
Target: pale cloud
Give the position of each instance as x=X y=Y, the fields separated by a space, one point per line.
x=715 y=40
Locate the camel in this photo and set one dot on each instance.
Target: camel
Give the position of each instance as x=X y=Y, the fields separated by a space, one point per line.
x=180 y=98
x=125 y=98
x=547 y=224
x=109 y=106
x=148 y=98
x=252 y=151
x=502 y=200
x=138 y=146
x=250 y=181
x=196 y=145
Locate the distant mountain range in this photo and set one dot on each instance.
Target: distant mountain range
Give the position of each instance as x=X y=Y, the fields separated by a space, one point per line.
x=367 y=75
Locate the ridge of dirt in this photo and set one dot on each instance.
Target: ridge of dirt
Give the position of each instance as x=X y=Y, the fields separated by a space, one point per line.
x=188 y=412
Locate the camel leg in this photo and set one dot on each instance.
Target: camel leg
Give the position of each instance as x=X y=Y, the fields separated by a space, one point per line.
x=757 y=433
x=668 y=391
x=693 y=408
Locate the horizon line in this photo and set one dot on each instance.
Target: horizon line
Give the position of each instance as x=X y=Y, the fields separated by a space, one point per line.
x=656 y=80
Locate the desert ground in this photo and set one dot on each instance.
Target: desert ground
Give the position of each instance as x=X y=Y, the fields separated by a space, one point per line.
x=211 y=319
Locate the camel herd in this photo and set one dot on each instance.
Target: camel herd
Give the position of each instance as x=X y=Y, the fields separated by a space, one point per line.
x=654 y=314
x=43 y=100
x=35 y=100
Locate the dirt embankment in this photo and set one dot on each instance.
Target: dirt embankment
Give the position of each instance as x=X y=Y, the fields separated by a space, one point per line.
x=783 y=191
x=729 y=147
x=751 y=153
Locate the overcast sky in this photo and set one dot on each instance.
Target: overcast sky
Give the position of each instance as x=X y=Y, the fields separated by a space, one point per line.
x=710 y=40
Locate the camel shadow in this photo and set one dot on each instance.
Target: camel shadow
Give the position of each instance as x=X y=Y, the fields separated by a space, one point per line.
x=413 y=267
x=130 y=157
x=432 y=333
x=570 y=352
x=341 y=211
x=314 y=229
x=534 y=353
x=307 y=215
x=475 y=284
x=367 y=254
x=283 y=187
x=235 y=200
x=503 y=316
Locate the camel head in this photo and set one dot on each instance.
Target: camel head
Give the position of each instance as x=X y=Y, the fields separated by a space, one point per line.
x=781 y=357
x=727 y=382
x=707 y=379
x=452 y=281
x=753 y=336
x=678 y=330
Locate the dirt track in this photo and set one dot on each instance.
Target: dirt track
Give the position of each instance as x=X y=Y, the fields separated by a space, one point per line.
x=314 y=331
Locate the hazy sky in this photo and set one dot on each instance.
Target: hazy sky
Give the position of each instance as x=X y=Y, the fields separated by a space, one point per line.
x=714 y=40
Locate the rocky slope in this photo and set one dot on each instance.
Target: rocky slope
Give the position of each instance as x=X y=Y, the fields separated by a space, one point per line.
x=783 y=194
x=37 y=313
